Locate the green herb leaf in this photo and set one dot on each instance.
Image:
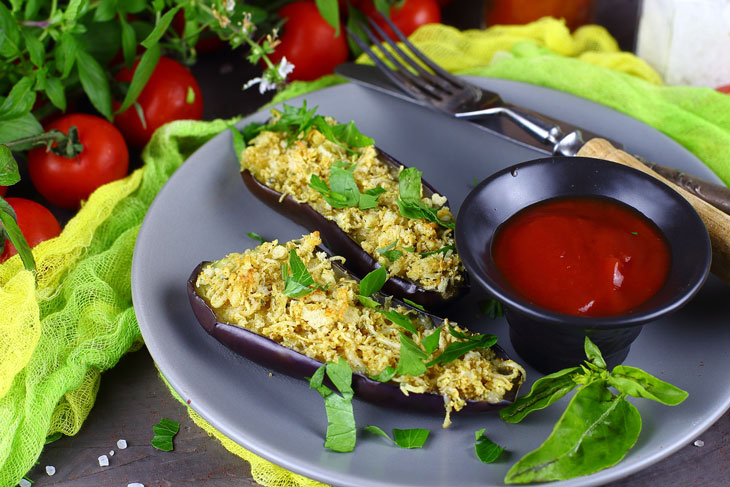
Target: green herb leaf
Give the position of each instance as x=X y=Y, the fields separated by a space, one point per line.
x=19 y=128
x=65 y=54
x=411 y=358
x=457 y=349
x=431 y=342
x=36 y=51
x=160 y=27
x=164 y=432
x=410 y=438
x=399 y=319
x=544 y=392
x=355 y=20
x=385 y=375
x=637 y=383
x=593 y=354
x=491 y=308
x=129 y=41
x=19 y=101
x=442 y=250
x=56 y=93
x=330 y=11
x=9 y=173
x=73 y=10
x=348 y=134
x=487 y=451
x=142 y=73
x=376 y=431
x=373 y=281
x=95 y=84
x=256 y=236
x=409 y=201
x=367 y=302
x=105 y=10
x=584 y=440
x=415 y=305
x=341 y=431
x=343 y=191
x=239 y=142
x=10 y=45
x=300 y=283
x=8 y=220
x=390 y=252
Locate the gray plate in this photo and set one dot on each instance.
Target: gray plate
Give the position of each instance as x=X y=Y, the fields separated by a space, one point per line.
x=204 y=212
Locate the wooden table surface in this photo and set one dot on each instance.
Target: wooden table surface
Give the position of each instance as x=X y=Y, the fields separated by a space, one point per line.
x=132 y=397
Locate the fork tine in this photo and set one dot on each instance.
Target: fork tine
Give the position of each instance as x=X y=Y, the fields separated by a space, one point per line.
x=425 y=59
x=395 y=76
x=444 y=85
x=415 y=81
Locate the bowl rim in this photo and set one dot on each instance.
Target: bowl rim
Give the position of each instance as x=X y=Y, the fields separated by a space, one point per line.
x=517 y=303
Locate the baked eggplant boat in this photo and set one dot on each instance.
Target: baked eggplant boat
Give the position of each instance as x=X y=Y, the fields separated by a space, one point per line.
x=294 y=323
x=367 y=206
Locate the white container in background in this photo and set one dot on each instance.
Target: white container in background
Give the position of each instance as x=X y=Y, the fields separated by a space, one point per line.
x=686 y=41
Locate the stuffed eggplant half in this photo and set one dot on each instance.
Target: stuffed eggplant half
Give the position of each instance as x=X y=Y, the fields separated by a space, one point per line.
x=368 y=207
x=292 y=307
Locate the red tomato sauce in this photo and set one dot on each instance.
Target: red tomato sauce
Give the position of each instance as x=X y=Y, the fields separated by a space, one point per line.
x=583 y=256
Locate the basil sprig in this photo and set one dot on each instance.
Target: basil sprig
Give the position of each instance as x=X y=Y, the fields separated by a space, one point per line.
x=597 y=428
x=343 y=191
x=409 y=201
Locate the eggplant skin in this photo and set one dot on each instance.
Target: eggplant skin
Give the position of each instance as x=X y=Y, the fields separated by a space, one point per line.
x=358 y=262
x=272 y=355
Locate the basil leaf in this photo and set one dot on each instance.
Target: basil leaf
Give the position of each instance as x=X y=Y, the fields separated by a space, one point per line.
x=584 y=440
x=160 y=27
x=256 y=236
x=348 y=134
x=105 y=10
x=95 y=84
x=373 y=281
x=409 y=201
x=376 y=431
x=19 y=101
x=487 y=451
x=390 y=252
x=341 y=431
x=73 y=10
x=10 y=225
x=300 y=283
x=9 y=46
x=635 y=382
x=442 y=250
x=399 y=319
x=385 y=375
x=330 y=12
x=129 y=41
x=431 y=342
x=411 y=358
x=367 y=302
x=164 y=432
x=593 y=354
x=142 y=73
x=544 y=392
x=56 y=93
x=239 y=142
x=355 y=20
x=410 y=438
x=9 y=173
x=415 y=305
x=65 y=54
x=491 y=307
x=19 y=128
x=343 y=182
x=36 y=51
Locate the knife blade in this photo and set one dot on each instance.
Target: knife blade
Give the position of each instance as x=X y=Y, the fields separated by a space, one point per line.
x=507 y=128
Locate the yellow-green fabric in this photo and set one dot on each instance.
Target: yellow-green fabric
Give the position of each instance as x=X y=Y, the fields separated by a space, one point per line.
x=57 y=334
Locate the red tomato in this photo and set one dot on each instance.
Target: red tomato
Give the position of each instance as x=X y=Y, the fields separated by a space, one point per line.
x=35 y=221
x=410 y=16
x=170 y=94
x=66 y=182
x=575 y=12
x=309 y=42
x=723 y=89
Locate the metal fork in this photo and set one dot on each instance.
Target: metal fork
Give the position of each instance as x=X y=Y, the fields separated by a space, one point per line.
x=452 y=95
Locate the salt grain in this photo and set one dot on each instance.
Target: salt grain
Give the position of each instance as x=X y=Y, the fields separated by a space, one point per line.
x=111 y=453
x=699 y=443
x=122 y=444
x=24 y=483
x=103 y=461
x=135 y=484
x=50 y=470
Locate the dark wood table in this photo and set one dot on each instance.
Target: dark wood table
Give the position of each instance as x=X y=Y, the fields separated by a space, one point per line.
x=132 y=397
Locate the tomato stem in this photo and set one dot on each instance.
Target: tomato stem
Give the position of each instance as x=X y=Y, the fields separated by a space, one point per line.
x=67 y=145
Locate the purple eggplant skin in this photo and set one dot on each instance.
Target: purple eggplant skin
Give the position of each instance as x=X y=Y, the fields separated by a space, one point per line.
x=359 y=262
x=272 y=355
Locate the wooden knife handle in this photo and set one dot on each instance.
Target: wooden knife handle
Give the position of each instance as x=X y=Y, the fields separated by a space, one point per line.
x=717 y=222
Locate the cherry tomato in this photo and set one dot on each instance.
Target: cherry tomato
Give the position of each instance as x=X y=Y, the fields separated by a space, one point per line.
x=66 y=182
x=35 y=221
x=408 y=17
x=309 y=42
x=723 y=89
x=575 y=12
x=170 y=94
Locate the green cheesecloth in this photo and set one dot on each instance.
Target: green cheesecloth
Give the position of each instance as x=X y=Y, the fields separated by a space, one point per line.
x=57 y=334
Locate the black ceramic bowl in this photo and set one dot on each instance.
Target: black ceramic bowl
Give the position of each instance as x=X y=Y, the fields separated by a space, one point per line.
x=548 y=340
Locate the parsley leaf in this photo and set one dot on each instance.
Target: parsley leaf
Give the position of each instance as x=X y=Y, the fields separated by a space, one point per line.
x=385 y=375
x=409 y=200
x=300 y=283
x=404 y=438
x=343 y=191
x=256 y=236
x=399 y=319
x=411 y=358
x=442 y=250
x=486 y=449
x=373 y=281
x=164 y=432
x=431 y=342
x=491 y=307
x=390 y=252
x=341 y=429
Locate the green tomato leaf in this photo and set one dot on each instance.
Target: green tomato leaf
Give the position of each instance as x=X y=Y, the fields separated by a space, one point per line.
x=142 y=74
x=160 y=27
x=544 y=392
x=487 y=451
x=19 y=128
x=95 y=83
x=19 y=101
x=399 y=319
x=431 y=342
x=411 y=358
x=595 y=432
x=373 y=281
x=637 y=383
x=330 y=11
x=410 y=438
x=56 y=93
x=9 y=223
x=385 y=375
x=593 y=354
x=9 y=173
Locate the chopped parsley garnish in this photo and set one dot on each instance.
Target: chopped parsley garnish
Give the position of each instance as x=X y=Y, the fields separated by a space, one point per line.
x=411 y=358
x=164 y=431
x=404 y=438
x=343 y=191
x=256 y=236
x=491 y=307
x=341 y=430
x=487 y=451
x=409 y=201
x=390 y=252
x=442 y=250
x=300 y=283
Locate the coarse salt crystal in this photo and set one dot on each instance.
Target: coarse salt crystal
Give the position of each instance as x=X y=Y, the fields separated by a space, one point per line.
x=111 y=453
x=121 y=444
x=135 y=484
x=103 y=461
x=24 y=483
x=50 y=469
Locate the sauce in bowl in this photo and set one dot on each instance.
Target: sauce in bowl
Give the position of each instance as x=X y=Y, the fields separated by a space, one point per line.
x=583 y=256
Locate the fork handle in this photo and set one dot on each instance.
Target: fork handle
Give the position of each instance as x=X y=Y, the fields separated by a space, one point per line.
x=717 y=222
x=541 y=129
